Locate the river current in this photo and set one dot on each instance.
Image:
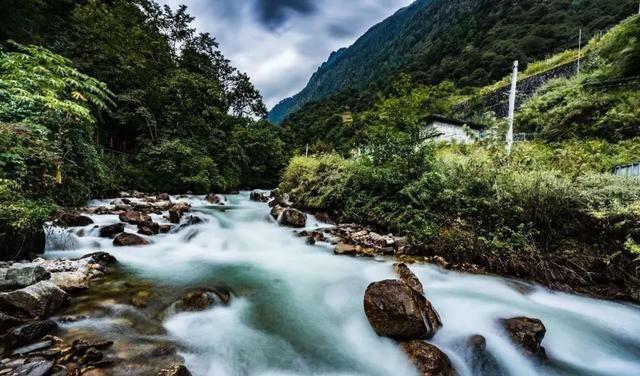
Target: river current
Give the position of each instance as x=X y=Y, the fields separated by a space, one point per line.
x=297 y=309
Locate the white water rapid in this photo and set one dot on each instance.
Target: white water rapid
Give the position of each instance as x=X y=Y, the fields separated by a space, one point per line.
x=298 y=309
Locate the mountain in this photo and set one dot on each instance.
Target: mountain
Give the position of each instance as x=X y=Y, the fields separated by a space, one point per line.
x=471 y=42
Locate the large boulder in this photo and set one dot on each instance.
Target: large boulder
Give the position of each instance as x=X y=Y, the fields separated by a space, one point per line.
x=74 y=220
x=36 y=301
x=528 y=333
x=406 y=275
x=428 y=359
x=111 y=230
x=102 y=258
x=27 y=274
x=293 y=218
x=126 y=239
x=397 y=311
x=28 y=333
x=163 y=197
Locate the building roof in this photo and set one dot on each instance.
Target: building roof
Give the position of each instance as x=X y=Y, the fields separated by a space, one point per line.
x=443 y=119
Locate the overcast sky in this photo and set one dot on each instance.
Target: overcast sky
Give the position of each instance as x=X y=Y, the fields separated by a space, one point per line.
x=280 y=43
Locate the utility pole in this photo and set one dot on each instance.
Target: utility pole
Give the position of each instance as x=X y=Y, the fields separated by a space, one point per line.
x=579 y=49
x=512 y=107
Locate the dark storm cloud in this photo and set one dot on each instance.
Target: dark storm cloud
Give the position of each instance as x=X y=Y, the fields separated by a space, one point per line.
x=273 y=13
x=280 y=43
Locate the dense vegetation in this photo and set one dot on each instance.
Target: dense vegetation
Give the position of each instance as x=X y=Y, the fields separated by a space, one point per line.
x=469 y=42
x=100 y=96
x=551 y=211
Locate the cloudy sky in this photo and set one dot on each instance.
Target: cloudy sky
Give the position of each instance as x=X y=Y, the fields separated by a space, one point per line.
x=280 y=43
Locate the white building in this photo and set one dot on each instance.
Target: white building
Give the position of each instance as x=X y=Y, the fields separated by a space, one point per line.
x=441 y=128
x=632 y=169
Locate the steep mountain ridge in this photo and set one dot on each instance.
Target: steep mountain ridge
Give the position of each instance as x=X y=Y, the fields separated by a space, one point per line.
x=468 y=41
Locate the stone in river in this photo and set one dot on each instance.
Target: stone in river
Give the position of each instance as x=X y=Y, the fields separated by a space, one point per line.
x=397 y=311
x=176 y=212
x=36 y=301
x=71 y=281
x=406 y=275
x=428 y=359
x=25 y=275
x=174 y=370
x=345 y=249
x=74 y=220
x=528 y=333
x=111 y=230
x=126 y=240
x=35 y=368
x=293 y=218
x=135 y=218
x=27 y=333
x=102 y=258
x=199 y=299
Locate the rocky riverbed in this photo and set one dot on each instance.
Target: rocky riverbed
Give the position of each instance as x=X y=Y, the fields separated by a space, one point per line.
x=247 y=285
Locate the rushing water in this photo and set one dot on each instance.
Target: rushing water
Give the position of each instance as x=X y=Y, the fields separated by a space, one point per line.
x=297 y=309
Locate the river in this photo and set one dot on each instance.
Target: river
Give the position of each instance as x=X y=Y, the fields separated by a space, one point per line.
x=297 y=309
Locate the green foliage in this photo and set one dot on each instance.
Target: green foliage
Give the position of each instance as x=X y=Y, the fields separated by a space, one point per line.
x=472 y=43
x=469 y=204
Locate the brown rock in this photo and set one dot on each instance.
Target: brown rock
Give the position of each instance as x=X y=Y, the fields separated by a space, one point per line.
x=126 y=240
x=213 y=198
x=276 y=211
x=293 y=218
x=199 y=299
x=528 y=333
x=163 y=197
x=111 y=230
x=175 y=370
x=397 y=311
x=406 y=275
x=176 y=212
x=74 y=220
x=135 y=218
x=428 y=359
x=257 y=196
x=344 y=249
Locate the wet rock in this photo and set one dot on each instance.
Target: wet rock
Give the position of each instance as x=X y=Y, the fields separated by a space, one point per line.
x=102 y=258
x=163 y=229
x=279 y=199
x=293 y=218
x=38 y=346
x=127 y=240
x=35 y=368
x=199 y=299
x=482 y=362
x=39 y=300
x=25 y=275
x=149 y=230
x=176 y=212
x=71 y=281
x=258 y=196
x=141 y=299
x=276 y=211
x=428 y=359
x=397 y=311
x=135 y=218
x=121 y=204
x=27 y=333
x=345 y=249
x=175 y=370
x=401 y=245
x=8 y=321
x=213 y=198
x=111 y=231
x=406 y=275
x=528 y=333
x=74 y=220
x=163 y=197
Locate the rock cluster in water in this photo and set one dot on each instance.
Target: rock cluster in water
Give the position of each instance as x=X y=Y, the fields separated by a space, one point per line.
x=397 y=308
x=31 y=293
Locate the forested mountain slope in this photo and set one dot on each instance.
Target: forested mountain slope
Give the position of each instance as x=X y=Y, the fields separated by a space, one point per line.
x=467 y=41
